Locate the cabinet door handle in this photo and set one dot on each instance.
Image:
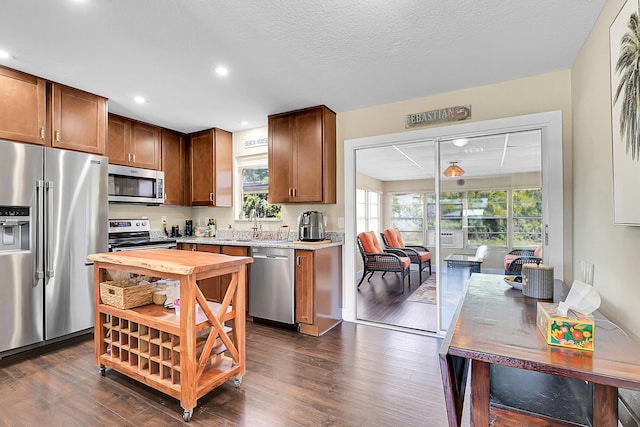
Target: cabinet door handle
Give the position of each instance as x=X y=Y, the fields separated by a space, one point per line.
x=57 y=136
x=133 y=156
x=298 y=261
x=211 y=197
x=42 y=132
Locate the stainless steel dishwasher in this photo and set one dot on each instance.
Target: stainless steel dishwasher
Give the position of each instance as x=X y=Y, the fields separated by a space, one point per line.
x=271 y=284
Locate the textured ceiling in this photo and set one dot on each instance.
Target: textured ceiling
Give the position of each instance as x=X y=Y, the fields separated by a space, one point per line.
x=284 y=55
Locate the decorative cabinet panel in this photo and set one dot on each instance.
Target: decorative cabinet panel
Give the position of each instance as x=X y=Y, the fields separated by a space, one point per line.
x=210 y=163
x=173 y=166
x=78 y=120
x=302 y=156
x=305 y=287
x=318 y=289
x=132 y=143
x=22 y=107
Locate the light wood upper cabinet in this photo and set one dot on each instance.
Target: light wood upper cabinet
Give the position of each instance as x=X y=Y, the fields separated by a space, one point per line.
x=22 y=107
x=302 y=156
x=173 y=166
x=78 y=120
x=210 y=163
x=132 y=143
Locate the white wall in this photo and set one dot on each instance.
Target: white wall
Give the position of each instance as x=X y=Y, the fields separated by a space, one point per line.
x=614 y=249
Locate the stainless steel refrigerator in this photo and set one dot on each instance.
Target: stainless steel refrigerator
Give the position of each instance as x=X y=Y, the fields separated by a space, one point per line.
x=53 y=213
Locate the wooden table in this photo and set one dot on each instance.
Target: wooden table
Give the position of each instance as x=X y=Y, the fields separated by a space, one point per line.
x=495 y=329
x=187 y=356
x=456 y=261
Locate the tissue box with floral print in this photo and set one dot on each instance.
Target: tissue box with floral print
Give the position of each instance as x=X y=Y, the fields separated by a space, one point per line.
x=575 y=331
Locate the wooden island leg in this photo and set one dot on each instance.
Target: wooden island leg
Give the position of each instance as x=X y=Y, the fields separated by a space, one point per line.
x=188 y=359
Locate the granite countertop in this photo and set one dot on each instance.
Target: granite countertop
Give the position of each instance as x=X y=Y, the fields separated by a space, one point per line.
x=260 y=243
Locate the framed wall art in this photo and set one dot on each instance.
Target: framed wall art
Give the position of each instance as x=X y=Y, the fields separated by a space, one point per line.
x=624 y=39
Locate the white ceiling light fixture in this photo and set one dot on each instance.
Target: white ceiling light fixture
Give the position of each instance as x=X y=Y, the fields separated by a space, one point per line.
x=4 y=54
x=244 y=123
x=460 y=142
x=222 y=71
x=139 y=100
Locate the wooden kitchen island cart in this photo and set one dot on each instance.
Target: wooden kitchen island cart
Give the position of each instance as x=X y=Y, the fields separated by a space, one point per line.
x=184 y=356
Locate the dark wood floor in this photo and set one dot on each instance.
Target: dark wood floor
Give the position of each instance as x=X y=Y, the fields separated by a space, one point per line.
x=355 y=375
x=381 y=300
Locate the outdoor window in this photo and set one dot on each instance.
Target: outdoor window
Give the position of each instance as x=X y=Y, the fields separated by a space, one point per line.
x=407 y=215
x=527 y=217
x=451 y=210
x=254 y=176
x=367 y=211
x=487 y=217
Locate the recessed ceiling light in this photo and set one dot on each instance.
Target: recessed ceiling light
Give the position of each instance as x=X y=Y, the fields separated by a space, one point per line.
x=139 y=100
x=244 y=123
x=222 y=71
x=4 y=54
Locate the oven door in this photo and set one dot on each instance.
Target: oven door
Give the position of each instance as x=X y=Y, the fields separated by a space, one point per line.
x=139 y=247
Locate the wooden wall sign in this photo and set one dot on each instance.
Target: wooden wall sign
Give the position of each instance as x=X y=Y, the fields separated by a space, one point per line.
x=442 y=115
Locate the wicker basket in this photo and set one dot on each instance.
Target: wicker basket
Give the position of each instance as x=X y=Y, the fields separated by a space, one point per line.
x=126 y=293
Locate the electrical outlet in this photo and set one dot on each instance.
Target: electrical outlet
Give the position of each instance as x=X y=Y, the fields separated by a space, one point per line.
x=164 y=219
x=340 y=222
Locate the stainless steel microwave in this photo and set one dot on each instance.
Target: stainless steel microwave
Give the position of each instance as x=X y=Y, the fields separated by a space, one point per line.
x=135 y=185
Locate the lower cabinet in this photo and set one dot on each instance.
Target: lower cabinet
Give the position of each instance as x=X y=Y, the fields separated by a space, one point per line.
x=318 y=284
x=318 y=289
x=215 y=288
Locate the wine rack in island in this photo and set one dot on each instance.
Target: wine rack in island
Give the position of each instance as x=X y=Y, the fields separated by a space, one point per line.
x=184 y=356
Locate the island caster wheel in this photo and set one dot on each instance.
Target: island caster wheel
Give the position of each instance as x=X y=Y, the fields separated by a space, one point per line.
x=186 y=416
x=103 y=370
x=237 y=380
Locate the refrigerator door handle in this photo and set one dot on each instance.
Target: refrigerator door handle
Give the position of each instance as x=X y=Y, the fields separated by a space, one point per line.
x=49 y=229
x=39 y=231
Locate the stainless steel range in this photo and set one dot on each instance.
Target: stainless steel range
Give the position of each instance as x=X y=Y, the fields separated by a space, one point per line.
x=132 y=234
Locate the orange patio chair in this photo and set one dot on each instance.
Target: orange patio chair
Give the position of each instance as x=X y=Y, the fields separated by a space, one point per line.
x=377 y=259
x=419 y=255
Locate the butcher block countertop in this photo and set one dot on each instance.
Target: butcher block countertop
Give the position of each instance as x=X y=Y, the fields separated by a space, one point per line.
x=171 y=261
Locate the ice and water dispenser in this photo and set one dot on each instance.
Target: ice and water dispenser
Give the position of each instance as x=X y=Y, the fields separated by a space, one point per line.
x=15 y=223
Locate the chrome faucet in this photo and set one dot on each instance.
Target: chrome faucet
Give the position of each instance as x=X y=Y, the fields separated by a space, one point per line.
x=253 y=217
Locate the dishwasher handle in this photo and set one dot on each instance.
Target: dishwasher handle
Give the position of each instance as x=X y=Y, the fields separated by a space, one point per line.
x=269 y=256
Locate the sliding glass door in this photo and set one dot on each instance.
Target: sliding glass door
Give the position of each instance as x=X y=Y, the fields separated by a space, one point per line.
x=467 y=193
